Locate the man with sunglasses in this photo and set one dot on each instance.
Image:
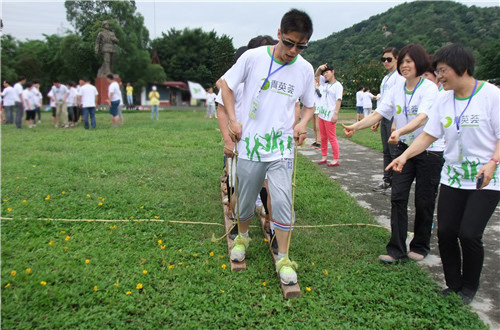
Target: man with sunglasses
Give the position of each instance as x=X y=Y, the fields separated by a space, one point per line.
x=389 y=59
x=274 y=78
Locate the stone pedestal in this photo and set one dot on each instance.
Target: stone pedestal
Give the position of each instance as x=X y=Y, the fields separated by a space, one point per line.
x=101 y=83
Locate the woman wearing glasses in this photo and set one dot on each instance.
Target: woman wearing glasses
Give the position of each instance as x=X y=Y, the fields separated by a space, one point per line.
x=410 y=102
x=468 y=117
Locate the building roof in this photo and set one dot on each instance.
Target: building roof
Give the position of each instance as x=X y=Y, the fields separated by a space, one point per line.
x=176 y=84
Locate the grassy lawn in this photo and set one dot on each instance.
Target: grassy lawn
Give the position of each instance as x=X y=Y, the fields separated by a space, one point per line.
x=91 y=274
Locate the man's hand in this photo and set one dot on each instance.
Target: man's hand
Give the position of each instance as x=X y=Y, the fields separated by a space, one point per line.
x=300 y=133
x=488 y=170
x=228 y=149
x=348 y=130
x=397 y=164
x=234 y=131
x=375 y=127
x=394 y=138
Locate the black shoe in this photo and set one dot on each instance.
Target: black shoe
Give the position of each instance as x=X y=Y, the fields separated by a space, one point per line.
x=274 y=244
x=316 y=145
x=466 y=295
x=381 y=187
x=446 y=292
x=234 y=232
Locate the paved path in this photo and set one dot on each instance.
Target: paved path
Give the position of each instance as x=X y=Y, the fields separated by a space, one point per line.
x=361 y=169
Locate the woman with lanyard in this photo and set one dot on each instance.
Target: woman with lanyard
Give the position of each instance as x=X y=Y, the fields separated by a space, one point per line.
x=410 y=102
x=469 y=119
x=328 y=113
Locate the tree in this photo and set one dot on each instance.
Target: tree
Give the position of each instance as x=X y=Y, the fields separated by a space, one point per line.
x=9 y=54
x=192 y=54
x=489 y=62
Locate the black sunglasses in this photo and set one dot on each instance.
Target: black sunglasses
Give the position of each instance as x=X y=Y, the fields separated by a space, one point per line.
x=290 y=44
x=388 y=59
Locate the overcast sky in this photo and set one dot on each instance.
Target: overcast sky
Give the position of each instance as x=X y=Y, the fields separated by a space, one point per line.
x=239 y=20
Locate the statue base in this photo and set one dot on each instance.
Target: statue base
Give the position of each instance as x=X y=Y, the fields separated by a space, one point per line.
x=101 y=83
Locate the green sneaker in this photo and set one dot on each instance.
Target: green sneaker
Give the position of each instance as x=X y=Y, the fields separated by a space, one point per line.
x=286 y=269
x=239 y=248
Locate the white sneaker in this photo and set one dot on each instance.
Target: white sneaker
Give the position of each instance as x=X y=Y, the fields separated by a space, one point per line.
x=39 y=121
x=286 y=269
x=239 y=249
x=66 y=126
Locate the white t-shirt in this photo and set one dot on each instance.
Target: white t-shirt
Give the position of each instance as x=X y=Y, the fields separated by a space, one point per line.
x=60 y=93
x=479 y=135
x=389 y=81
x=331 y=93
x=88 y=93
x=269 y=135
x=9 y=96
x=318 y=100
x=38 y=97
x=393 y=104
x=28 y=99
x=19 y=90
x=115 y=89
x=359 y=98
x=367 y=100
x=238 y=97
x=211 y=98
x=51 y=95
x=71 y=99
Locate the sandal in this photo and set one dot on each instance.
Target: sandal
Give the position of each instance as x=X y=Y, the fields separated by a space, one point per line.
x=321 y=162
x=332 y=164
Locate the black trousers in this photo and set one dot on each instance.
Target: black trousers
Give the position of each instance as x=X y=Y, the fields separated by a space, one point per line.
x=462 y=218
x=426 y=169
x=389 y=150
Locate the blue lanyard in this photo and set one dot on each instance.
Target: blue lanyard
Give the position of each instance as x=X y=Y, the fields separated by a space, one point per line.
x=412 y=93
x=269 y=74
x=459 y=118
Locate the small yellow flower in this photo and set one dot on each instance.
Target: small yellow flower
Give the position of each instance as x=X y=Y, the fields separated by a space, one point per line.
x=65 y=248
x=100 y=204
x=67 y=238
x=211 y=254
x=206 y=262
x=91 y=178
x=142 y=207
x=87 y=261
x=180 y=263
x=222 y=291
x=223 y=266
x=9 y=209
x=266 y=240
x=88 y=196
x=5 y=200
x=103 y=199
x=142 y=259
x=63 y=192
x=95 y=287
x=326 y=272
x=144 y=272
x=308 y=289
x=264 y=283
x=139 y=286
x=43 y=283
x=159 y=242
x=24 y=201
x=7 y=285
x=51 y=242
x=13 y=273
x=116 y=284
x=171 y=266
x=131 y=217
x=195 y=255
x=180 y=250
x=47 y=198
x=312 y=263
x=128 y=293
x=63 y=232
x=28 y=270
x=163 y=247
x=156 y=217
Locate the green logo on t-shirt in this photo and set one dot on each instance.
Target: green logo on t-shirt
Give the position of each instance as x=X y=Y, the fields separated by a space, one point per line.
x=399 y=109
x=266 y=86
x=448 y=122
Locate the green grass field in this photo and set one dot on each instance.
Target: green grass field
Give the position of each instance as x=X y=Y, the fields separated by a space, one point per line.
x=90 y=274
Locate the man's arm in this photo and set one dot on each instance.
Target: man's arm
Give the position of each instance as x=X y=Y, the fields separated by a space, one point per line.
x=223 y=121
x=300 y=130
x=320 y=69
x=228 y=99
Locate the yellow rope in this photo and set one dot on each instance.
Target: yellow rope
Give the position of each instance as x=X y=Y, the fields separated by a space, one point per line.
x=293 y=199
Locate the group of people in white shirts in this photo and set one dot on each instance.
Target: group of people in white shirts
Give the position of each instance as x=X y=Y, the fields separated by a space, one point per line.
x=364 y=102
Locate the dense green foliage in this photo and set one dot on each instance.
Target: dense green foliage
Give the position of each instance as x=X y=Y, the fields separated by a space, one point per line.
x=430 y=23
x=192 y=54
x=170 y=169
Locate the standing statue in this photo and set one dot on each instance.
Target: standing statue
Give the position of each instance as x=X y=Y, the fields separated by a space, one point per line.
x=105 y=44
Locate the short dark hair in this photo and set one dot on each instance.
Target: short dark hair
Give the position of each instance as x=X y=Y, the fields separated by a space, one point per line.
x=7 y=82
x=110 y=76
x=28 y=84
x=360 y=88
x=459 y=58
x=56 y=81
x=261 y=41
x=391 y=50
x=328 y=67
x=86 y=79
x=418 y=54
x=297 y=21
x=21 y=78
x=239 y=52
x=36 y=81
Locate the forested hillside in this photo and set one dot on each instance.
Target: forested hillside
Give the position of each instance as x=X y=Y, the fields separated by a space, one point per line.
x=432 y=24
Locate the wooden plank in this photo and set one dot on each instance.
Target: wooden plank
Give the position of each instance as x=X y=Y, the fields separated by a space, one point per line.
x=235 y=266
x=289 y=291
